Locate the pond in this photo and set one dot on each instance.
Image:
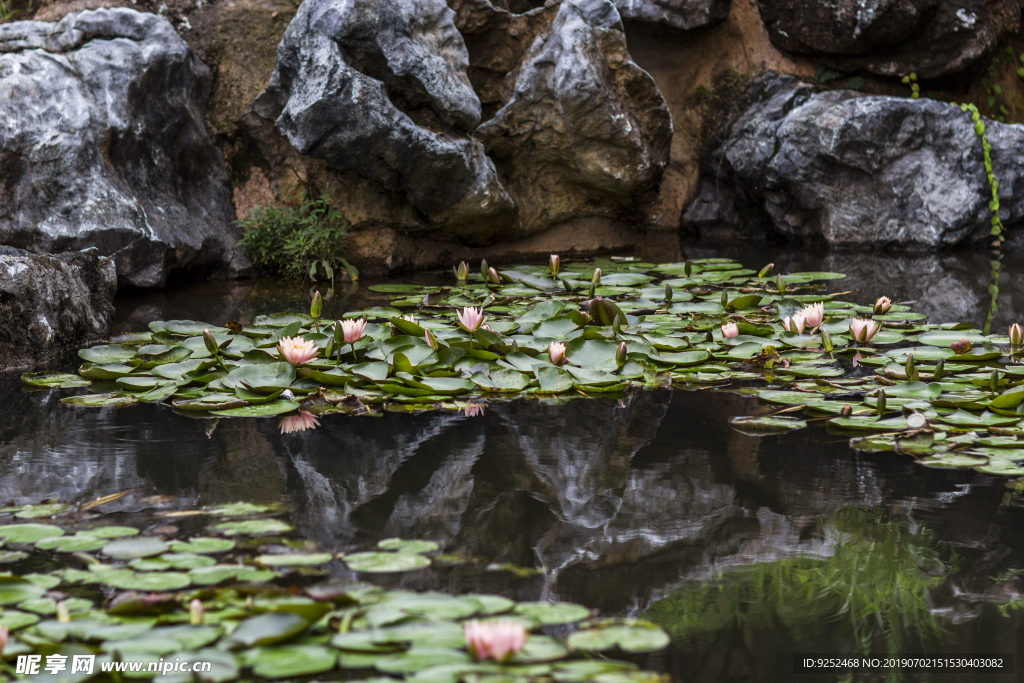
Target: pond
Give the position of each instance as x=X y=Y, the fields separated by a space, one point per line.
x=746 y=548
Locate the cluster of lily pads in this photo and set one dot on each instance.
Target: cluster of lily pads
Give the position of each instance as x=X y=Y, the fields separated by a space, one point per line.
x=255 y=603
x=944 y=393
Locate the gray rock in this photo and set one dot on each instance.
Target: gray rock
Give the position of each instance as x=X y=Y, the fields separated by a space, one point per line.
x=583 y=130
x=933 y=38
x=52 y=303
x=854 y=170
x=680 y=14
x=103 y=144
x=381 y=88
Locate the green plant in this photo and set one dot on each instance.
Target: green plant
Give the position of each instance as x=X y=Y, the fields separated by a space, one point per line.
x=911 y=80
x=6 y=12
x=302 y=242
x=993 y=205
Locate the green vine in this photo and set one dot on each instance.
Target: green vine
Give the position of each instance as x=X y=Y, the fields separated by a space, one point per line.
x=993 y=205
x=993 y=290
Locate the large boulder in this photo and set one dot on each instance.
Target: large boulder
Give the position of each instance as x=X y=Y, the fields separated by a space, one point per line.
x=933 y=38
x=103 y=144
x=583 y=130
x=52 y=303
x=844 y=168
x=380 y=88
x=685 y=15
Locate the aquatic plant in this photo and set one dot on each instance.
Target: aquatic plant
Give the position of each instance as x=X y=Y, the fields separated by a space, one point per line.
x=241 y=595
x=301 y=242
x=863 y=372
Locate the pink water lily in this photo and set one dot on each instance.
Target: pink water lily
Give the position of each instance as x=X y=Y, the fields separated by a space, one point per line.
x=555 y=263
x=297 y=350
x=882 y=305
x=814 y=314
x=498 y=640
x=794 y=324
x=863 y=330
x=470 y=319
x=299 y=423
x=461 y=271
x=473 y=409
x=431 y=339
x=730 y=330
x=353 y=330
x=556 y=352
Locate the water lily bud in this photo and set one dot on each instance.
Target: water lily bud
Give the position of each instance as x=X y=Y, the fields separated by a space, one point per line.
x=780 y=284
x=881 y=401
x=962 y=346
x=461 y=271
x=687 y=269
x=556 y=352
x=668 y=292
x=766 y=270
x=939 y=370
x=725 y=299
x=882 y=305
x=339 y=333
x=492 y=275
x=620 y=355
x=483 y=269
x=196 y=612
x=826 y=341
x=909 y=367
x=1016 y=335
x=730 y=330
x=590 y=294
x=4 y=635
x=709 y=337
x=846 y=411
x=916 y=420
x=329 y=349
x=316 y=307
x=617 y=323
x=210 y=341
x=596 y=277
x=993 y=381
x=555 y=263
x=63 y=613
x=515 y=346
x=431 y=339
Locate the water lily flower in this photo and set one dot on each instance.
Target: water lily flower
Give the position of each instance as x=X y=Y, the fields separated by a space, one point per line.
x=492 y=274
x=461 y=271
x=473 y=409
x=555 y=263
x=410 y=318
x=353 y=330
x=196 y=612
x=731 y=330
x=431 y=339
x=1016 y=335
x=621 y=354
x=556 y=351
x=863 y=330
x=470 y=319
x=297 y=350
x=814 y=314
x=882 y=305
x=498 y=640
x=299 y=423
x=916 y=420
x=961 y=346
x=794 y=324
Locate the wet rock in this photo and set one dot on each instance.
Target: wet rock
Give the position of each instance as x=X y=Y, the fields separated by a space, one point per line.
x=848 y=169
x=381 y=89
x=104 y=145
x=933 y=38
x=680 y=14
x=52 y=304
x=583 y=130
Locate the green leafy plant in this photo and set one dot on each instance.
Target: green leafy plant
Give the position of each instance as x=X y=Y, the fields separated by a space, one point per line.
x=911 y=80
x=301 y=242
x=6 y=11
x=993 y=205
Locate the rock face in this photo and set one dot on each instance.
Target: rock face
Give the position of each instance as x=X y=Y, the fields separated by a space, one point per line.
x=583 y=130
x=50 y=304
x=381 y=88
x=681 y=14
x=933 y=38
x=847 y=169
x=103 y=144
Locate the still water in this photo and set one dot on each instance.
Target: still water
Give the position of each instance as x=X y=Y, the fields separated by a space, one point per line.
x=746 y=548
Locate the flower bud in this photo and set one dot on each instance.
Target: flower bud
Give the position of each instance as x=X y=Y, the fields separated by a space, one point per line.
x=780 y=284
x=1016 y=335
x=960 y=347
x=846 y=411
x=316 y=307
x=620 y=355
x=939 y=370
x=555 y=263
x=881 y=401
x=668 y=293
x=63 y=613
x=461 y=271
x=596 y=277
x=196 y=612
x=882 y=305
x=687 y=269
x=492 y=275
x=826 y=341
x=483 y=269
x=211 y=342
x=766 y=270
x=431 y=339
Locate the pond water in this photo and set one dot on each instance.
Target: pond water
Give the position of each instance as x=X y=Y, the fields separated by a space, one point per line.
x=745 y=548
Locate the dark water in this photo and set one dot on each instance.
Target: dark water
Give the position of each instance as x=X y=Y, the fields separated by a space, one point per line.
x=747 y=549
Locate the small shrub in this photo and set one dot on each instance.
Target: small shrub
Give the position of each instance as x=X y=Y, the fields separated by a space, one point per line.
x=299 y=243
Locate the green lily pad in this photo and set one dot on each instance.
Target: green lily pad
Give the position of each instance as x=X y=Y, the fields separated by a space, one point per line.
x=267 y=629
x=549 y=613
x=291 y=660
x=253 y=527
x=277 y=407
x=131 y=548
x=403 y=546
x=386 y=562
x=203 y=546
x=28 y=533
x=636 y=637
x=294 y=559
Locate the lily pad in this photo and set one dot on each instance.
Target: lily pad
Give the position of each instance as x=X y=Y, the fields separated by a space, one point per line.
x=386 y=562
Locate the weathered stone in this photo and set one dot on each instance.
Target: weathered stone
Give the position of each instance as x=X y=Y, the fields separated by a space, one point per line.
x=583 y=131
x=381 y=89
x=680 y=14
x=52 y=303
x=933 y=38
x=845 y=168
x=103 y=144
